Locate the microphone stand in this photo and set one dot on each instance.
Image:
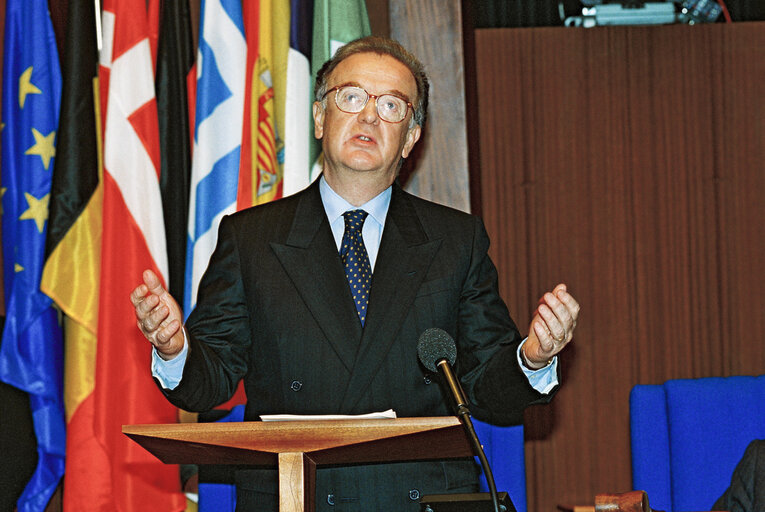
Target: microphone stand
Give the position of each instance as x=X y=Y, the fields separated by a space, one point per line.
x=464 y=414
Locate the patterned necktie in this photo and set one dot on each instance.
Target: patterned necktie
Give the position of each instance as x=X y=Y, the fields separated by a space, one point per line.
x=358 y=271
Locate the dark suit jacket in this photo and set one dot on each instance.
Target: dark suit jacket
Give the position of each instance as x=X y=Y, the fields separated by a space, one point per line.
x=274 y=309
x=747 y=487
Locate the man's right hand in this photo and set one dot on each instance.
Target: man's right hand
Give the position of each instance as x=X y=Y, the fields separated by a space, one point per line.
x=158 y=316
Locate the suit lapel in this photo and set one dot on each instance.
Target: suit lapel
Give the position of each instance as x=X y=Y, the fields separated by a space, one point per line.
x=402 y=263
x=310 y=258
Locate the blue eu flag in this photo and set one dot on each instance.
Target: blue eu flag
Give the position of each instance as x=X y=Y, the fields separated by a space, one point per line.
x=31 y=353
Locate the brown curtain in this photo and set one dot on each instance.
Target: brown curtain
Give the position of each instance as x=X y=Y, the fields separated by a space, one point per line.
x=628 y=163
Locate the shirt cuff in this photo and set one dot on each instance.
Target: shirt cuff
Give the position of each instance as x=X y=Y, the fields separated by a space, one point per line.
x=169 y=373
x=542 y=380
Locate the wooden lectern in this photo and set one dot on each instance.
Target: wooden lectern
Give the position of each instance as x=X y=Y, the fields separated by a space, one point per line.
x=296 y=448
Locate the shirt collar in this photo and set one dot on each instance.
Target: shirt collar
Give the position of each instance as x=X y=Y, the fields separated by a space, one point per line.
x=335 y=205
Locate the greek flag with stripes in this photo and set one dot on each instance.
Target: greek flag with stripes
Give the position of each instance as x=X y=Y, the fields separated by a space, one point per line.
x=221 y=65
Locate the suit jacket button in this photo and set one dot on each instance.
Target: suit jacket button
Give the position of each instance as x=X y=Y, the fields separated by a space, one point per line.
x=414 y=495
x=296 y=385
x=331 y=499
x=426 y=380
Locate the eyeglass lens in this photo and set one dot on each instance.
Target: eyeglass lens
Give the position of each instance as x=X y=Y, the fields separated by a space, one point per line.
x=353 y=99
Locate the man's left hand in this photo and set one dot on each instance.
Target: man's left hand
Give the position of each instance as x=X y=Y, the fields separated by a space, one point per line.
x=552 y=327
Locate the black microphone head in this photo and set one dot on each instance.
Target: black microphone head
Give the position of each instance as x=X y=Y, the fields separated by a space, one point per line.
x=436 y=344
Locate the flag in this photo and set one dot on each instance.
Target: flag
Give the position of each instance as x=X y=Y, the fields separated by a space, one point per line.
x=174 y=63
x=266 y=24
x=31 y=353
x=133 y=239
x=267 y=88
x=248 y=170
x=335 y=23
x=221 y=65
x=73 y=250
x=298 y=127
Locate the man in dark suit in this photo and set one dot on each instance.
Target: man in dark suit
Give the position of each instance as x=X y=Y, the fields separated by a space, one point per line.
x=747 y=485
x=279 y=305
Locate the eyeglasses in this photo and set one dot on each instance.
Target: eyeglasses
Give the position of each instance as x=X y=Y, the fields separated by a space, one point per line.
x=352 y=100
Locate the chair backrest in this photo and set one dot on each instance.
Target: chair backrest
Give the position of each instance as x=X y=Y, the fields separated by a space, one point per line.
x=220 y=497
x=688 y=435
x=503 y=447
x=505 y=452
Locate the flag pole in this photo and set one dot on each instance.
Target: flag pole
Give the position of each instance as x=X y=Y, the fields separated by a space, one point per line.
x=97 y=5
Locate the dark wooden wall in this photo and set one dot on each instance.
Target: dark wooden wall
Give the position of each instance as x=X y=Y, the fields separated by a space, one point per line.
x=438 y=166
x=627 y=162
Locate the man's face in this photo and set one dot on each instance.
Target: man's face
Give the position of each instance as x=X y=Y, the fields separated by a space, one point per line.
x=363 y=142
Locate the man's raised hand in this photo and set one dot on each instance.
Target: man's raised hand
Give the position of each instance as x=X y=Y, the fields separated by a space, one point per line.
x=552 y=327
x=158 y=316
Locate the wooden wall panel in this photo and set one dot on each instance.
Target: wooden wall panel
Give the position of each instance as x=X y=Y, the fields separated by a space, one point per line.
x=432 y=30
x=628 y=163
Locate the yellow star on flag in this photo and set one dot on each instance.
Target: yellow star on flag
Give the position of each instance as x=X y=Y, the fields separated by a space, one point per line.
x=17 y=268
x=37 y=211
x=26 y=86
x=43 y=147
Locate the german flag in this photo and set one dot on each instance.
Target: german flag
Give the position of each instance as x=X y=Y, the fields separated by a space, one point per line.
x=73 y=244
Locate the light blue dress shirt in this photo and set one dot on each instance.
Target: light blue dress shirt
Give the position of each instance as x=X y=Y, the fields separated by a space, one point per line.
x=169 y=373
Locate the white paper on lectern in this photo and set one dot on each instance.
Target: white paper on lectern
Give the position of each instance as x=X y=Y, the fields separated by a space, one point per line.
x=390 y=414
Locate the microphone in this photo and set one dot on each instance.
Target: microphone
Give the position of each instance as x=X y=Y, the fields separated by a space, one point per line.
x=438 y=353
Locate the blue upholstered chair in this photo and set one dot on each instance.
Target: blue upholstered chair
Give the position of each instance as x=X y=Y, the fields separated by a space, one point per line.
x=688 y=435
x=504 y=450
x=503 y=447
x=217 y=497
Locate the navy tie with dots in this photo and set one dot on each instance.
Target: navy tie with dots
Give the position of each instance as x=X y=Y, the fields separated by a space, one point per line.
x=356 y=261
